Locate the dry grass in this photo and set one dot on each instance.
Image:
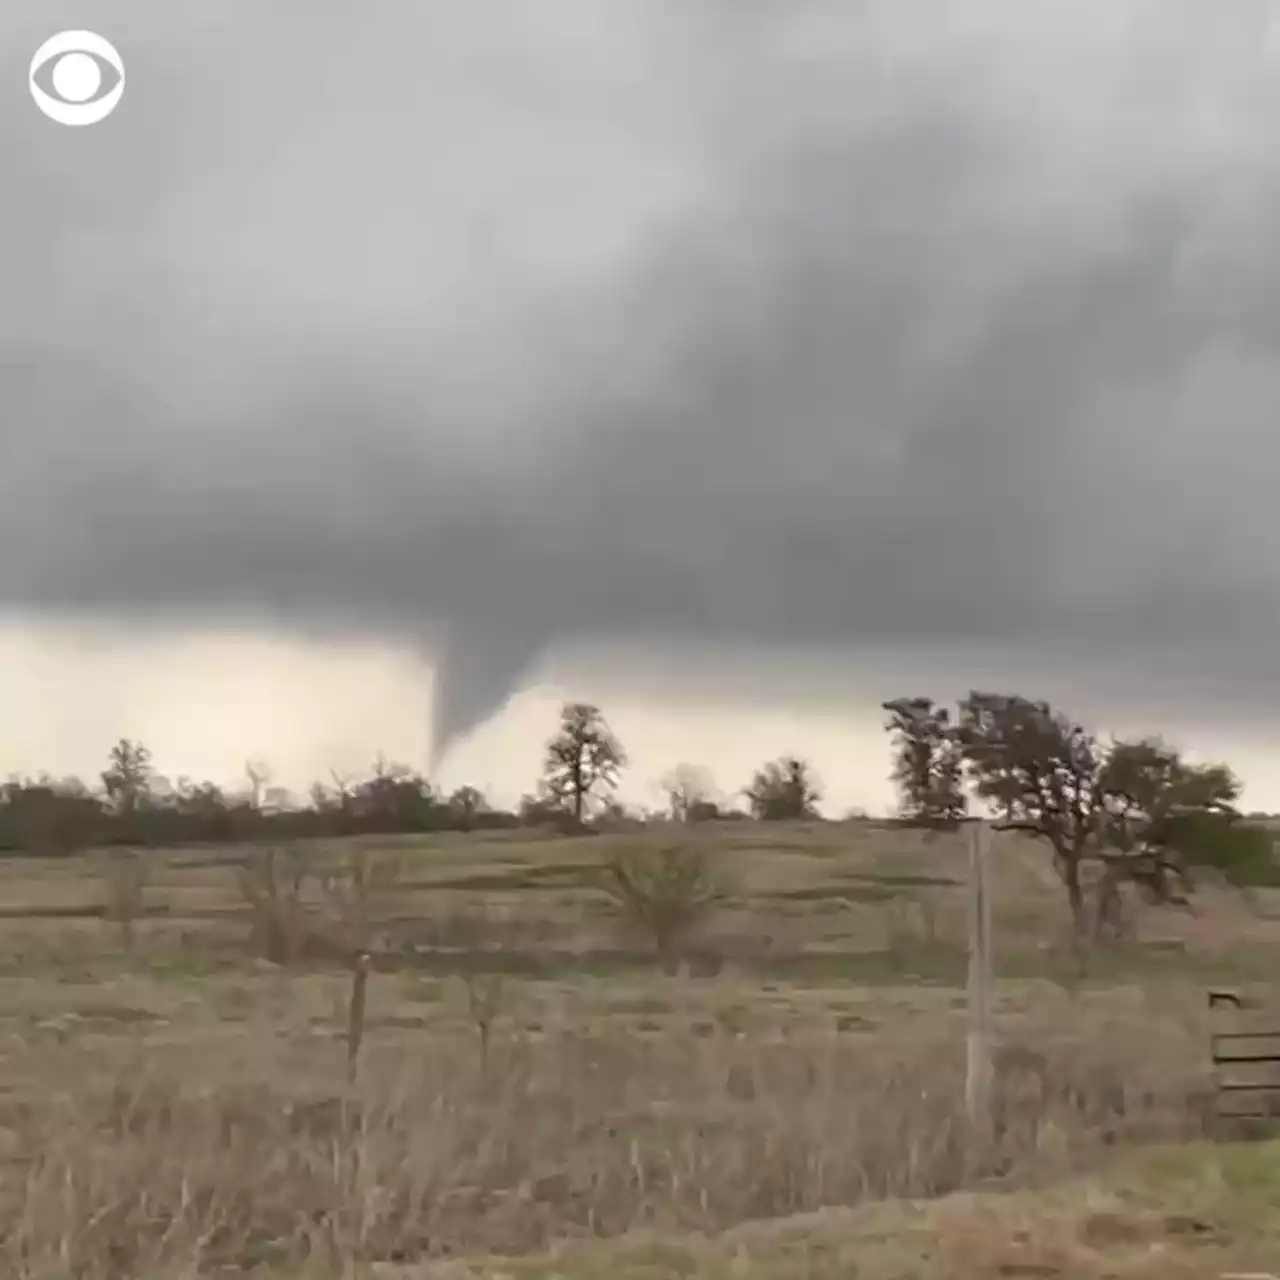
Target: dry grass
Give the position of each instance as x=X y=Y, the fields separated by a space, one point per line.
x=578 y=1131
x=184 y=1111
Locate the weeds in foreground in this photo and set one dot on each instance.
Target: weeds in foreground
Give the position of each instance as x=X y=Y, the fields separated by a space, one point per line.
x=488 y=1000
x=582 y=1132
x=356 y=1007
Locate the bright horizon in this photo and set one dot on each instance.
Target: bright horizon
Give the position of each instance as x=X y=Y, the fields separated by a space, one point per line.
x=204 y=703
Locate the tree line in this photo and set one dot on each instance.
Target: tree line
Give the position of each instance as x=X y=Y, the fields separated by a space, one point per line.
x=133 y=804
x=1116 y=817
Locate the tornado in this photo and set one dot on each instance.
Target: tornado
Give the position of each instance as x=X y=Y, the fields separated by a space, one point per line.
x=480 y=664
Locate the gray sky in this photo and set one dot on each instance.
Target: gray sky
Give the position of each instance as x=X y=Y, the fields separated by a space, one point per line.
x=773 y=339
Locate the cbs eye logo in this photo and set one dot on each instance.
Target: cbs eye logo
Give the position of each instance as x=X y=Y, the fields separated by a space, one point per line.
x=69 y=72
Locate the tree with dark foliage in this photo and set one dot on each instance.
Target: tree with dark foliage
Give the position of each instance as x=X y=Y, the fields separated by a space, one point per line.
x=393 y=798
x=1134 y=813
x=784 y=790
x=465 y=805
x=928 y=766
x=1163 y=818
x=1040 y=771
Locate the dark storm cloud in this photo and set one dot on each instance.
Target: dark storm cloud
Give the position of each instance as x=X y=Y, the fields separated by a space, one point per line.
x=816 y=326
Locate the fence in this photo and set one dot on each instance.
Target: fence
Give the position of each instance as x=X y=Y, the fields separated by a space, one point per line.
x=1244 y=1043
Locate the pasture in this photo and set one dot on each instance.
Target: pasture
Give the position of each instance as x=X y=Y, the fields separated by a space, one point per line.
x=535 y=1097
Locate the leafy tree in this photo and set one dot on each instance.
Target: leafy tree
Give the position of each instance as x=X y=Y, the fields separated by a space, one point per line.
x=127 y=778
x=199 y=799
x=465 y=805
x=784 y=790
x=928 y=767
x=45 y=816
x=1134 y=813
x=204 y=806
x=1162 y=819
x=705 y=811
x=583 y=760
x=1041 y=771
x=394 y=798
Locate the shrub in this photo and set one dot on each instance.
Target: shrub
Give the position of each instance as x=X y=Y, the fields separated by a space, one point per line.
x=664 y=891
x=273 y=885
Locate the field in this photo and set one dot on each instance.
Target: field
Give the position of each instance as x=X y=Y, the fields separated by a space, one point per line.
x=536 y=1098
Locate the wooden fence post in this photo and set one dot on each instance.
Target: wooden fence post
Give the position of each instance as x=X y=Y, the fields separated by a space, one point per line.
x=355 y=1014
x=978 y=1063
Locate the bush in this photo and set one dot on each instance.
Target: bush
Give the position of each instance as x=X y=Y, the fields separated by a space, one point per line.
x=664 y=891
x=273 y=884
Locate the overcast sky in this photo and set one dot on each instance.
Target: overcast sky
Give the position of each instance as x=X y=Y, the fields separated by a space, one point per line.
x=732 y=363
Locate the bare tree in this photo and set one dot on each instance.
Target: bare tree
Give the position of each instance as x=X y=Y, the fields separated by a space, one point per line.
x=583 y=760
x=259 y=774
x=665 y=891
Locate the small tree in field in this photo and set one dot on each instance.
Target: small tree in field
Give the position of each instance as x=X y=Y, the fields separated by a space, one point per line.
x=928 y=767
x=664 y=891
x=583 y=760
x=784 y=790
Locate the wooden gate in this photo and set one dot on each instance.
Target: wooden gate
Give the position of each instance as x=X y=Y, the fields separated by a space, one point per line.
x=1244 y=1042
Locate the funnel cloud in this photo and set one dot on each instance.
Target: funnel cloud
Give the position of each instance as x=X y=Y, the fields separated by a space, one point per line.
x=823 y=327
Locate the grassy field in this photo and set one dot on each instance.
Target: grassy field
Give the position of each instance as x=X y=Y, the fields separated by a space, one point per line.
x=536 y=1098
